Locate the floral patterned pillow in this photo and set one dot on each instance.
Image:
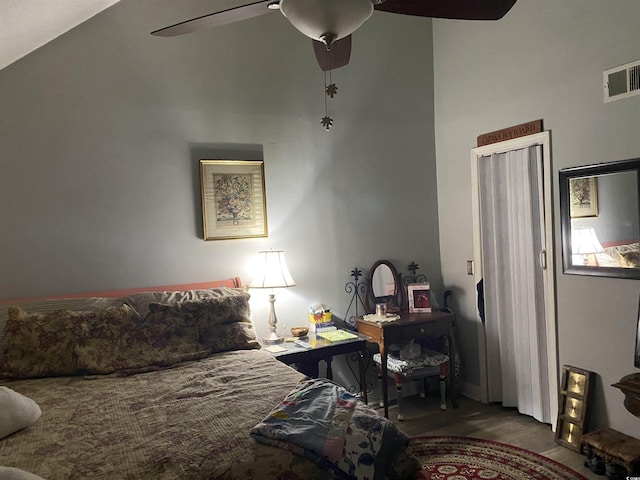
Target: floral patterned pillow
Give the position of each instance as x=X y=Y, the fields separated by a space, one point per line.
x=42 y=344
x=211 y=311
x=230 y=336
x=118 y=345
x=224 y=323
x=140 y=301
x=48 y=305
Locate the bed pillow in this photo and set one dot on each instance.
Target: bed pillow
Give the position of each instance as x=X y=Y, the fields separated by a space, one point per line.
x=50 y=305
x=11 y=473
x=119 y=345
x=140 y=301
x=43 y=344
x=16 y=412
x=40 y=344
x=214 y=311
x=224 y=322
x=228 y=337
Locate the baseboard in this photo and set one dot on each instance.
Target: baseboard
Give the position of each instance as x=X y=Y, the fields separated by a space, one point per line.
x=468 y=390
x=471 y=391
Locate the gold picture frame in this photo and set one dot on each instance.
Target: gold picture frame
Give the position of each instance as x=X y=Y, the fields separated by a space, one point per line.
x=233 y=199
x=583 y=197
x=573 y=407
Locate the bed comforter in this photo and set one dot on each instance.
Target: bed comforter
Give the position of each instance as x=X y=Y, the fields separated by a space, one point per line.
x=191 y=421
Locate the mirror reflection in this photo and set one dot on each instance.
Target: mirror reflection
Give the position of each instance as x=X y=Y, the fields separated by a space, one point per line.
x=384 y=287
x=599 y=206
x=383 y=282
x=605 y=236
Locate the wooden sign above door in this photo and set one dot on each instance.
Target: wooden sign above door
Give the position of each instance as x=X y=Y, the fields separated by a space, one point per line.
x=521 y=130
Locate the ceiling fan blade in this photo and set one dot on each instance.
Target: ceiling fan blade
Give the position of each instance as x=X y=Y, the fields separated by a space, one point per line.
x=338 y=56
x=453 y=9
x=217 y=19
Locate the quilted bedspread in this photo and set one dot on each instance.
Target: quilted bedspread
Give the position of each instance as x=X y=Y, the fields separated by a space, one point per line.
x=345 y=436
x=188 y=422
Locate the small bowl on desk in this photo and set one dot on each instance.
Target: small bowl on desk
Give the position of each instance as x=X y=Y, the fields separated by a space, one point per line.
x=299 y=331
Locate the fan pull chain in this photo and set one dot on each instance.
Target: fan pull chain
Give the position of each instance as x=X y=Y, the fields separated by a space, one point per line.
x=330 y=90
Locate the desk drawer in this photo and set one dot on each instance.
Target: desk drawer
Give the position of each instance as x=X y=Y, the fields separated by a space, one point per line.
x=415 y=331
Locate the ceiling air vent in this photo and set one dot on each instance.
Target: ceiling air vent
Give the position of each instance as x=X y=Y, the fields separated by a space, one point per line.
x=622 y=82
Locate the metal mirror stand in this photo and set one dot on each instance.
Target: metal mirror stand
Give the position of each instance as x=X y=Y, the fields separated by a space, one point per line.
x=600 y=219
x=358 y=291
x=383 y=286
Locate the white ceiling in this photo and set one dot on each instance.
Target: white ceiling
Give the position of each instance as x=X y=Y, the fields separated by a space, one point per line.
x=26 y=25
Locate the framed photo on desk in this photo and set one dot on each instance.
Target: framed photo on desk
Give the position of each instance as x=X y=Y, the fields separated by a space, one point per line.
x=419 y=297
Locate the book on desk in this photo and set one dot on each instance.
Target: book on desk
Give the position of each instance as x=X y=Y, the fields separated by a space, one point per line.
x=337 y=335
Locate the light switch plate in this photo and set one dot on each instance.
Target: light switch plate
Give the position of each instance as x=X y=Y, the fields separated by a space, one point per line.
x=469 y=267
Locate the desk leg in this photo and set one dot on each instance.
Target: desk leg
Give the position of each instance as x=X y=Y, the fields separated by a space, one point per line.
x=453 y=353
x=329 y=370
x=385 y=393
x=363 y=373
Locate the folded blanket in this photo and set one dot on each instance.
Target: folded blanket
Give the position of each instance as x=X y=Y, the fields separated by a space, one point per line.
x=323 y=422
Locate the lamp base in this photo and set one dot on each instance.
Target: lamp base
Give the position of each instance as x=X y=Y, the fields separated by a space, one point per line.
x=272 y=339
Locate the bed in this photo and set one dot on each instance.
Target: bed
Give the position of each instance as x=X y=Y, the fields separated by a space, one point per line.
x=624 y=254
x=170 y=383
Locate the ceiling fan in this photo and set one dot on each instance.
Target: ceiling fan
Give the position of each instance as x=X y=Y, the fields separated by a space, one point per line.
x=330 y=23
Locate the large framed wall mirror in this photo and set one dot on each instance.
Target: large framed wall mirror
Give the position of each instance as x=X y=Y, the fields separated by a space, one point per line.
x=636 y=361
x=600 y=219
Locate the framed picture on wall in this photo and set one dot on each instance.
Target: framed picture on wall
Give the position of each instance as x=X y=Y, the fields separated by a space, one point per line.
x=233 y=199
x=583 y=197
x=419 y=297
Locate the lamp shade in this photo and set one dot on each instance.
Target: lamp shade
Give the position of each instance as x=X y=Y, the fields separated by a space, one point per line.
x=585 y=241
x=316 y=18
x=271 y=271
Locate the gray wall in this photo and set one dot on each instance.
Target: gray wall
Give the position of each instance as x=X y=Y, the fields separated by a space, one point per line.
x=543 y=60
x=102 y=129
x=101 y=132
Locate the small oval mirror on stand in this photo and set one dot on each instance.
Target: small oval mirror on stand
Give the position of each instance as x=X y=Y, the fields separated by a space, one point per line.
x=383 y=286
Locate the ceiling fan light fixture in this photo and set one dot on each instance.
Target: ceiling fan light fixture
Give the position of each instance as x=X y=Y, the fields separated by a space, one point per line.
x=317 y=18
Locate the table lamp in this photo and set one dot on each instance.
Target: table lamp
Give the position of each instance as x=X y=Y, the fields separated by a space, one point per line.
x=272 y=272
x=585 y=242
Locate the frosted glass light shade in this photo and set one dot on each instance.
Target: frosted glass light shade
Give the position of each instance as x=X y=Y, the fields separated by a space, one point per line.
x=271 y=271
x=316 y=18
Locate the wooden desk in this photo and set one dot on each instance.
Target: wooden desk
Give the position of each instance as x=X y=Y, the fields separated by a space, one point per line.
x=411 y=325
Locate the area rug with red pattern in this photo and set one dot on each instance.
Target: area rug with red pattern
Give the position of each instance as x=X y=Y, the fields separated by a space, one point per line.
x=464 y=458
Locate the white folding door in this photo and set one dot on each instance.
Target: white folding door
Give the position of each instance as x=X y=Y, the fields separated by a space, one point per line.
x=515 y=268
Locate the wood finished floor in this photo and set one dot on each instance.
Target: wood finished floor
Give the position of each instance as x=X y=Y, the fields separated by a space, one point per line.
x=491 y=422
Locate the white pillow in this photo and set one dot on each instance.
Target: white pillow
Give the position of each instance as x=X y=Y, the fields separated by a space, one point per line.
x=10 y=473
x=16 y=412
